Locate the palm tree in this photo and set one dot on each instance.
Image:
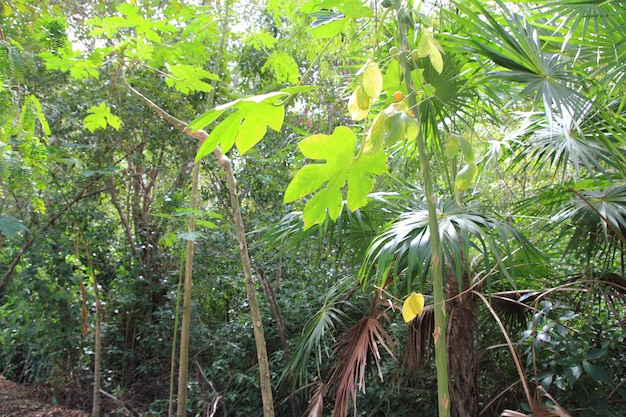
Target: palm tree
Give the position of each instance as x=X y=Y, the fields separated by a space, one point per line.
x=563 y=82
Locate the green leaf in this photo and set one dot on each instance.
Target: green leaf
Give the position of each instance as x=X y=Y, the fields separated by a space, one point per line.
x=73 y=62
x=187 y=78
x=465 y=177
x=283 y=66
x=352 y=9
x=327 y=24
x=391 y=126
x=596 y=372
x=331 y=16
x=101 y=117
x=9 y=226
x=107 y=26
x=261 y=40
x=246 y=126
x=341 y=166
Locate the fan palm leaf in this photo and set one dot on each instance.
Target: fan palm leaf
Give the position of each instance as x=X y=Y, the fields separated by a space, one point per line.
x=570 y=142
x=515 y=48
x=597 y=212
x=404 y=249
x=596 y=29
x=314 y=341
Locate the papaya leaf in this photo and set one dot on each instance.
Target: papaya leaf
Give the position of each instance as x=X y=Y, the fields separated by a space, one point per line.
x=188 y=78
x=341 y=166
x=283 y=66
x=327 y=23
x=390 y=126
x=245 y=127
x=100 y=117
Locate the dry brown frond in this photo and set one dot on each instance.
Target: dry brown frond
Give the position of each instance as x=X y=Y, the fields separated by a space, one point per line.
x=419 y=339
x=359 y=344
x=316 y=404
x=511 y=413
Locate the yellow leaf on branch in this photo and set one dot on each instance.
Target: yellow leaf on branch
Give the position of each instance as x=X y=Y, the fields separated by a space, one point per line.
x=413 y=306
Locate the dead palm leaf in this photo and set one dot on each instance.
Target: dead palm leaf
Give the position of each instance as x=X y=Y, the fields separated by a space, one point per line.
x=359 y=346
x=316 y=404
x=419 y=339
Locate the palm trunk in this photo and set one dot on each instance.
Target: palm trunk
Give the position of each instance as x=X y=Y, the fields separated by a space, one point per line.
x=463 y=363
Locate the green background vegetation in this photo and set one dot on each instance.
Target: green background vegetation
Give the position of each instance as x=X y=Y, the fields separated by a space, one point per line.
x=495 y=181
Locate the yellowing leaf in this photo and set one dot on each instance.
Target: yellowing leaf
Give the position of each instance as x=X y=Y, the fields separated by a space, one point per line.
x=413 y=306
x=428 y=46
x=359 y=104
x=372 y=80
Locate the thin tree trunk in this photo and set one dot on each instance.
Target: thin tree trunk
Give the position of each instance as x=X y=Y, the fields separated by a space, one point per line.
x=439 y=333
x=95 y=410
x=201 y=135
x=257 y=323
x=181 y=409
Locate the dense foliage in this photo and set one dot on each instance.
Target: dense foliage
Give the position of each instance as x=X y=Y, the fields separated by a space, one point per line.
x=466 y=151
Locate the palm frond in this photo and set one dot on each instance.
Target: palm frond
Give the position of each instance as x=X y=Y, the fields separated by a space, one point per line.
x=352 y=229
x=318 y=336
x=403 y=251
x=596 y=211
x=516 y=50
x=359 y=345
x=316 y=404
x=596 y=29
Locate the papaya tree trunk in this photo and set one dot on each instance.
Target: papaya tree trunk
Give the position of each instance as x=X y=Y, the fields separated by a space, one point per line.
x=437 y=271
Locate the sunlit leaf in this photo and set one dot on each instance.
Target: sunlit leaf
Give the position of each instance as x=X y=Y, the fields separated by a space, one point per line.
x=412 y=307
x=188 y=78
x=341 y=166
x=100 y=117
x=429 y=47
x=372 y=81
x=390 y=126
x=245 y=127
x=359 y=104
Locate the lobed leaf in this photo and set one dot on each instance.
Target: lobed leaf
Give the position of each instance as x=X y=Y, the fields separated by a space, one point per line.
x=341 y=166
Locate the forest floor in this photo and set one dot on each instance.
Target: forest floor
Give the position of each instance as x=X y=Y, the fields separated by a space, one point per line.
x=21 y=401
